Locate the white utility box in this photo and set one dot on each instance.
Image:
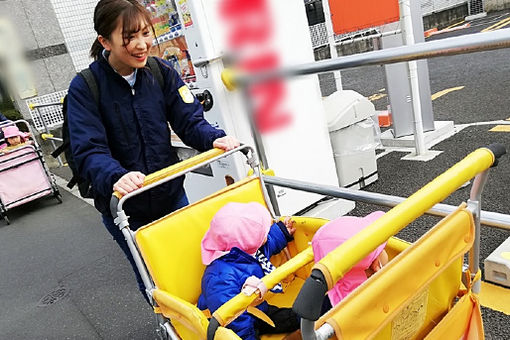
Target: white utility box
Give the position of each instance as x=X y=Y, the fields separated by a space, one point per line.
x=497 y=265
x=351 y=133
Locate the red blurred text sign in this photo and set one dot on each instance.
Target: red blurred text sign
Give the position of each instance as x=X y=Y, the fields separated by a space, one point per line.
x=350 y=16
x=250 y=34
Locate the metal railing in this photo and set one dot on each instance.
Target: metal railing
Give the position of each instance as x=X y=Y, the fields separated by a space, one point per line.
x=47 y=135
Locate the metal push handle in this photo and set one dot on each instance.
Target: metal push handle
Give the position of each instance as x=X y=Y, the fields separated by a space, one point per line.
x=179 y=169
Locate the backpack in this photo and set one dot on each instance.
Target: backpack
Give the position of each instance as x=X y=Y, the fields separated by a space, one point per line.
x=84 y=185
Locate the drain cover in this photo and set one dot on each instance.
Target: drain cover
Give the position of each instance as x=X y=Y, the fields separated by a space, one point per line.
x=52 y=297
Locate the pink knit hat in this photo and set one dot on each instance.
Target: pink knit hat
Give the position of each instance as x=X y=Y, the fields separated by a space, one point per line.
x=333 y=234
x=241 y=225
x=12 y=131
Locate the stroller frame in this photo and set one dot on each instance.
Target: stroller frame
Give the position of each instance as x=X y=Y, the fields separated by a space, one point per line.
x=475 y=164
x=4 y=207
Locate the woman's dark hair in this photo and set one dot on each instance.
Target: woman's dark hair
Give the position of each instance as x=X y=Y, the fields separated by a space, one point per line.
x=107 y=15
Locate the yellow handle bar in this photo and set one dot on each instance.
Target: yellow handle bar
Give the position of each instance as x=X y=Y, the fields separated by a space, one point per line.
x=178 y=167
x=342 y=259
x=232 y=308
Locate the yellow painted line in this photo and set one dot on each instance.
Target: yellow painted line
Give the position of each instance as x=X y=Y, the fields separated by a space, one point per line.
x=445 y=91
x=501 y=26
x=457 y=24
x=377 y=96
x=500 y=128
x=495 y=297
x=496 y=24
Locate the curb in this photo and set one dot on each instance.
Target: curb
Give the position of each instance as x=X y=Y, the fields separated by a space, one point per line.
x=434 y=31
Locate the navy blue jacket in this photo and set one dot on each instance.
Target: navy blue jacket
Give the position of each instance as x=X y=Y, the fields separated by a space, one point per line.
x=225 y=276
x=129 y=132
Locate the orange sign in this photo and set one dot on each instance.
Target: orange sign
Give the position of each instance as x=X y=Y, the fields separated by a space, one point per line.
x=350 y=16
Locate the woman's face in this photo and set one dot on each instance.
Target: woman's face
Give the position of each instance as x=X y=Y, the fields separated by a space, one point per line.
x=14 y=140
x=130 y=53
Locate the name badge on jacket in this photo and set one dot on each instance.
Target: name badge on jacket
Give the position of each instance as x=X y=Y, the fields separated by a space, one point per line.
x=186 y=94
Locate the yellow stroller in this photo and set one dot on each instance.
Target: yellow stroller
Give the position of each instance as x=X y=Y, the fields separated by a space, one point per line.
x=419 y=294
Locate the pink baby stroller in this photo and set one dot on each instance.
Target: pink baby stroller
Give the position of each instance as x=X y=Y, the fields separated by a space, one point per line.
x=24 y=175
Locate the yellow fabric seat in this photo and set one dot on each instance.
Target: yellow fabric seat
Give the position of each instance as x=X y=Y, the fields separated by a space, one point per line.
x=414 y=292
x=423 y=280
x=170 y=248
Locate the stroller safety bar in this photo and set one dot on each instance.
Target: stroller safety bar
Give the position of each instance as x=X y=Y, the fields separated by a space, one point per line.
x=333 y=266
x=238 y=304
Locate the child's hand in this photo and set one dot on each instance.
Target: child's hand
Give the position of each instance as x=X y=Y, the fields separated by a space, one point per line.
x=289 y=224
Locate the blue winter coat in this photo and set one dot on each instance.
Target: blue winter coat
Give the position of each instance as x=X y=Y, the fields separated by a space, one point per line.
x=129 y=132
x=225 y=276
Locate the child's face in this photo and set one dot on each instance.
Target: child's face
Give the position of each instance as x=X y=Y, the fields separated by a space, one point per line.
x=14 y=140
x=378 y=263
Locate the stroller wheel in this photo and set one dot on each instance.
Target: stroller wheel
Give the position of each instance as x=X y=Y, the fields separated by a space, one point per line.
x=58 y=196
x=6 y=219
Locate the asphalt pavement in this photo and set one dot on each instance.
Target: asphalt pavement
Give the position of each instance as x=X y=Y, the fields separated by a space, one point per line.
x=62 y=277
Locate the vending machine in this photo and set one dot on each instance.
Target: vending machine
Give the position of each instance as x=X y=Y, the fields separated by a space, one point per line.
x=203 y=37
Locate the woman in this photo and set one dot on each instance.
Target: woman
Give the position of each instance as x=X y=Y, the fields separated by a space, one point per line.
x=116 y=144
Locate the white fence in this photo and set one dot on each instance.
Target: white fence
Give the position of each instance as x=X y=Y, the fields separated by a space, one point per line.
x=434 y=6
x=319 y=34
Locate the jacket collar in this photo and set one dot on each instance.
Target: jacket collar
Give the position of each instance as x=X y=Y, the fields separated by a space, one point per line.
x=103 y=62
x=237 y=255
x=105 y=65
x=104 y=57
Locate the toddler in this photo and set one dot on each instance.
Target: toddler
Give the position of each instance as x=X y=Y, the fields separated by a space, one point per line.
x=13 y=138
x=237 y=248
x=333 y=234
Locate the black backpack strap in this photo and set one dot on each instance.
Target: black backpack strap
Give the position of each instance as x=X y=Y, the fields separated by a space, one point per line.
x=72 y=182
x=153 y=65
x=60 y=149
x=91 y=83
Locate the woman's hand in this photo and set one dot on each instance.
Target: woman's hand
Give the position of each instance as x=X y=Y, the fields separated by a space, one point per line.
x=129 y=182
x=226 y=143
